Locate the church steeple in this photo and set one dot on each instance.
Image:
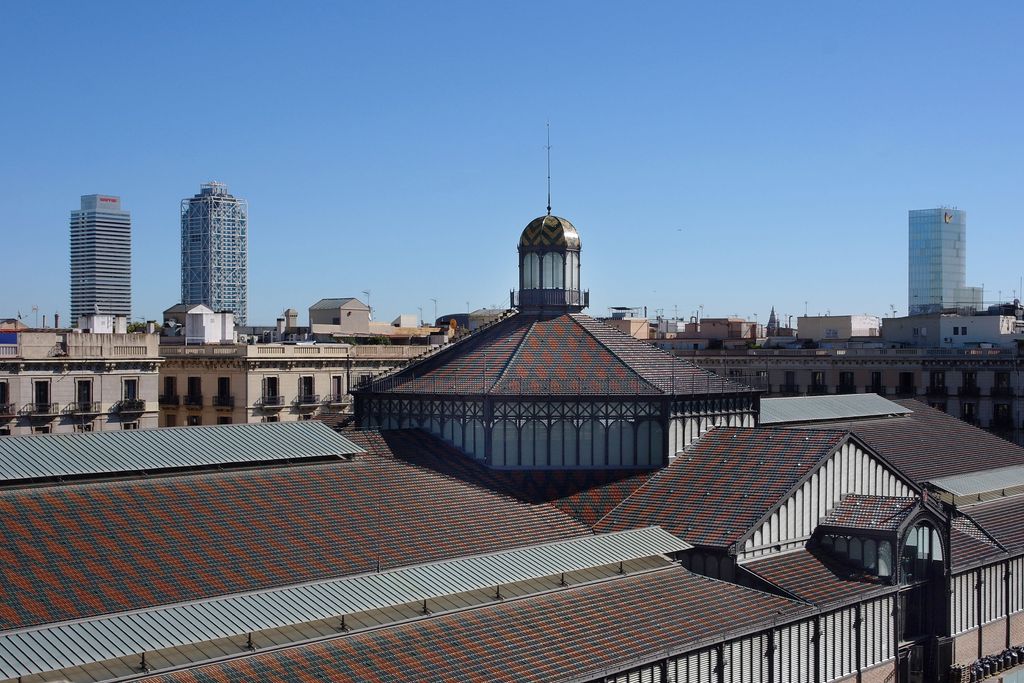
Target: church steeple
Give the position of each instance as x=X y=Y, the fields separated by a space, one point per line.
x=773 y=324
x=549 y=267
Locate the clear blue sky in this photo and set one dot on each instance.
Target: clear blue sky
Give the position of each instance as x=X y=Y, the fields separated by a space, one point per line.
x=730 y=155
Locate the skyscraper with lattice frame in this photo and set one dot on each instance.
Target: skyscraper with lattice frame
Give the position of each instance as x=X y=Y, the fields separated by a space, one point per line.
x=215 y=250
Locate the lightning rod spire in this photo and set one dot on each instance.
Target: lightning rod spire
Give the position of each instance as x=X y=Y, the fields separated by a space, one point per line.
x=548 y=148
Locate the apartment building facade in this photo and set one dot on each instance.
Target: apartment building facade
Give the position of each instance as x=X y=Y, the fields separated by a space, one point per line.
x=984 y=387
x=229 y=383
x=71 y=381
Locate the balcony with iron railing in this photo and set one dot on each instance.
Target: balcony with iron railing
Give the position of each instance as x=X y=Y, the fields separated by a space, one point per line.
x=906 y=391
x=270 y=402
x=307 y=400
x=7 y=410
x=846 y=389
x=221 y=401
x=937 y=390
x=336 y=399
x=817 y=390
x=969 y=391
x=875 y=389
x=169 y=399
x=40 y=410
x=789 y=389
x=528 y=298
x=130 y=405
x=83 y=408
x=1002 y=392
x=193 y=400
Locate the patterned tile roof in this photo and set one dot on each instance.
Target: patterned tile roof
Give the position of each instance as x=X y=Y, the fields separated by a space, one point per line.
x=929 y=443
x=80 y=550
x=815 y=578
x=870 y=513
x=569 y=354
x=717 y=489
x=550 y=637
x=970 y=545
x=586 y=495
x=1002 y=520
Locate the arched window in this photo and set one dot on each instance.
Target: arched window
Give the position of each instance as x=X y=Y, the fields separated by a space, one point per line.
x=531 y=271
x=572 y=270
x=504 y=443
x=563 y=444
x=921 y=548
x=533 y=446
x=592 y=444
x=553 y=269
x=621 y=448
x=474 y=439
x=648 y=443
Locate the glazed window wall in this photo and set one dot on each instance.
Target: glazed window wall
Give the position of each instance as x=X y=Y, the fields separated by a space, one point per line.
x=563 y=444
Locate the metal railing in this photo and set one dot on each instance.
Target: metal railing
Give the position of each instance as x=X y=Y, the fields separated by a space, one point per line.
x=549 y=297
x=130 y=405
x=936 y=390
x=846 y=389
x=906 y=391
x=817 y=390
x=308 y=399
x=193 y=400
x=1002 y=424
x=971 y=390
x=169 y=399
x=270 y=402
x=83 y=407
x=875 y=389
x=1003 y=392
x=223 y=401
x=40 y=409
x=337 y=398
x=6 y=409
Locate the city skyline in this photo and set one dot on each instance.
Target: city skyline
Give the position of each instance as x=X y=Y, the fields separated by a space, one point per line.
x=744 y=144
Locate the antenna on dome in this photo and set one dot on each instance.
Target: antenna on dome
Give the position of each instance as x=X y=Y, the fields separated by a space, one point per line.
x=548 y=148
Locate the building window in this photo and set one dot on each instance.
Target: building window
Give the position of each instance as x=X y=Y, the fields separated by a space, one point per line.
x=270 y=388
x=5 y=397
x=272 y=418
x=83 y=427
x=129 y=425
x=306 y=387
x=5 y=431
x=41 y=393
x=83 y=393
x=938 y=378
x=171 y=421
x=969 y=412
x=224 y=420
x=876 y=383
x=42 y=429
x=170 y=386
x=195 y=391
x=337 y=387
x=130 y=389
x=194 y=420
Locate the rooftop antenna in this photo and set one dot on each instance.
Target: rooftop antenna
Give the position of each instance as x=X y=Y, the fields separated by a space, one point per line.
x=548 y=148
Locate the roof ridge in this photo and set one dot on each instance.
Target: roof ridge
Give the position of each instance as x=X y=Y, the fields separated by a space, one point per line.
x=515 y=354
x=586 y=328
x=433 y=353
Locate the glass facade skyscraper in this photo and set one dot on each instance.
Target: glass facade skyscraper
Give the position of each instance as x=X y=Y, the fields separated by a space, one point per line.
x=938 y=262
x=101 y=258
x=215 y=251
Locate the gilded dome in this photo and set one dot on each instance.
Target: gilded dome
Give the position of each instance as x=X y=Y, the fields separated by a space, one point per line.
x=550 y=231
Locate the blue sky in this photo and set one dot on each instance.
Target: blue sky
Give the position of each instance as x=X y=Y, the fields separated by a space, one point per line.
x=730 y=155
